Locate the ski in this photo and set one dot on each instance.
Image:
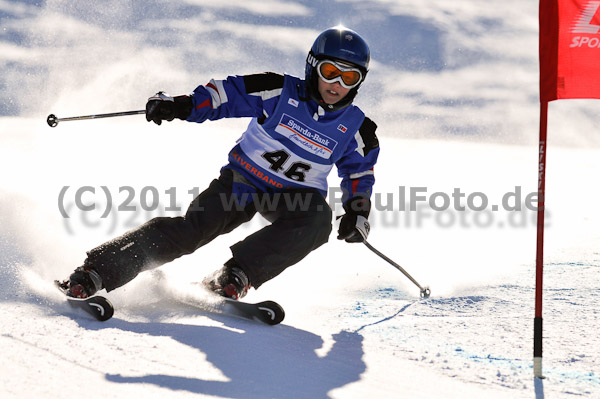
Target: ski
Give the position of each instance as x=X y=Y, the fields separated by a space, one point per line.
x=198 y=296
x=97 y=306
x=268 y=312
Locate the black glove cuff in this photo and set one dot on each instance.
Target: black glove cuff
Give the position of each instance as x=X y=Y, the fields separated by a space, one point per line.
x=360 y=206
x=183 y=106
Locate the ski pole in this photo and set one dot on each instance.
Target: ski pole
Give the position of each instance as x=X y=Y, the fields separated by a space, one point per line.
x=53 y=120
x=425 y=291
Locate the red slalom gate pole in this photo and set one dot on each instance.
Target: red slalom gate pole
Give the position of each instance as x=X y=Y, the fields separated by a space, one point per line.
x=539 y=259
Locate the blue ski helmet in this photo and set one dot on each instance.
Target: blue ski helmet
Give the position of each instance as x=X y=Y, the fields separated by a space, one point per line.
x=338 y=44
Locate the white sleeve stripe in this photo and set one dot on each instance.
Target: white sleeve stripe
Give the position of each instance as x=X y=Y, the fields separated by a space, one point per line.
x=214 y=95
x=361 y=174
x=267 y=94
x=217 y=93
x=361 y=145
x=222 y=92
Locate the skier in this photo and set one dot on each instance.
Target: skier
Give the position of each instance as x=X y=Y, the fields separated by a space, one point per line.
x=279 y=167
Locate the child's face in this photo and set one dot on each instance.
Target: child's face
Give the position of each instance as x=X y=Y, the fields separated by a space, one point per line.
x=331 y=93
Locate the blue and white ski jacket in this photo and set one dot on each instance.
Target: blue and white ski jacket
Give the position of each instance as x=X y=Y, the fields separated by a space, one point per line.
x=290 y=142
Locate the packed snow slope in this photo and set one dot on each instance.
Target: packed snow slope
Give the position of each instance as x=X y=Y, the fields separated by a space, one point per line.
x=453 y=88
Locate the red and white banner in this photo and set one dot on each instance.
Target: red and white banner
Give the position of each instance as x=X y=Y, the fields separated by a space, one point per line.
x=569 y=49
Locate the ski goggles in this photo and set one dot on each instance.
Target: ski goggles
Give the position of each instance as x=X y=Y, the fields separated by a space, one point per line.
x=331 y=71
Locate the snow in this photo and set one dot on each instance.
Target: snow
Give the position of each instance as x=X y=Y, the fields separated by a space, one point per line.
x=453 y=89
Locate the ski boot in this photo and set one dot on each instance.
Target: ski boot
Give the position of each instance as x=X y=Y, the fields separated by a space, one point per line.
x=230 y=281
x=83 y=283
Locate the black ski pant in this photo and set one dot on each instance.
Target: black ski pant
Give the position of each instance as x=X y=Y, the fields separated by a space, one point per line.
x=300 y=222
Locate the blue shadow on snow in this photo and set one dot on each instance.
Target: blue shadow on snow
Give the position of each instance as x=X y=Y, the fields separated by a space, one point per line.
x=260 y=362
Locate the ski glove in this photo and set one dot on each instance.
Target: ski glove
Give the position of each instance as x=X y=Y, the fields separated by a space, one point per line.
x=354 y=226
x=162 y=107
